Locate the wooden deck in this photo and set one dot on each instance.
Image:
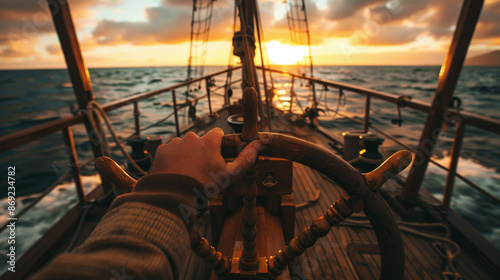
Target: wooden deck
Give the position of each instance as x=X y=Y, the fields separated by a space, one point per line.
x=349 y=251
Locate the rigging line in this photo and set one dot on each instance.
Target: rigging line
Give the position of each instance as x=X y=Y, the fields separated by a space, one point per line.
x=264 y=44
x=289 y=24
x=190 y=49
x=308 y=39
x=206 y=39
x=300 y=36
x=199 y=11
x=205 y=45
x=296 y=26
x=257 y=24
x=290 y=28
x=200 y=30
x=229 y=74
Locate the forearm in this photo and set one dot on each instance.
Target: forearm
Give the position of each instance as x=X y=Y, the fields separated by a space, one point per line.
x=140 y=236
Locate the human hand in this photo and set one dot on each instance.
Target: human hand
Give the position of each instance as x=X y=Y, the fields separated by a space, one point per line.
x=201 y=159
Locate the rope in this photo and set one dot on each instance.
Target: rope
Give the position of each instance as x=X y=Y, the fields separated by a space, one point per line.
x=94 y=107
x=87 y=206
x=451 y=247
x=229 y=75
x=259 y=33
x=309 y=202
x=341 y=101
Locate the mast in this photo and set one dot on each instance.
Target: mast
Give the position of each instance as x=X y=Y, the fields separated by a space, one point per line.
x=244 y=47
x=448 y=76
x=78 y=73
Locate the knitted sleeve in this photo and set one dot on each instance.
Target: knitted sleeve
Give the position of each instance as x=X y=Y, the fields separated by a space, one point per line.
x=141 y=237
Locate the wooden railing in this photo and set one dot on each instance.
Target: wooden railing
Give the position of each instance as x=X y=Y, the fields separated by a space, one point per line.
x=464 y=119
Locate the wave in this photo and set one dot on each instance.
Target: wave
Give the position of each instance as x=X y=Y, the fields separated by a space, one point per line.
x=31 y=226
x=474 y=207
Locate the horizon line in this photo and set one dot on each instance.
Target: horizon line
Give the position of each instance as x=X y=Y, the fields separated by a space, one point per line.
x=215 y=65
x=275 y=65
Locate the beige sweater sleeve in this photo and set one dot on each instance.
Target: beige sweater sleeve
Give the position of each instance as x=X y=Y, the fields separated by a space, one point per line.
x=139 y=238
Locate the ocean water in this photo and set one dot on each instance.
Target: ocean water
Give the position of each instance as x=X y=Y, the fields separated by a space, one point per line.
x=32 y=97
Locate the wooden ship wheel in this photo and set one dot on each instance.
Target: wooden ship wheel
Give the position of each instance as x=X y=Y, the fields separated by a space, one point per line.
x=253 y=221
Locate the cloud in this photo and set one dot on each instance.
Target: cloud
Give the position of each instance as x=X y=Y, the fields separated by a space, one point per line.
x=164 y=25
x=181 y=3
x=341 y=9
x=19 y=49
x=489 y=23
x=23 y=22
x=54 y=49
x=19 y=21
x=386 y=36
x=397 y=10
x=393 y=22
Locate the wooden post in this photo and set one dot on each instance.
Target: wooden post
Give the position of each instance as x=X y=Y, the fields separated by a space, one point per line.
x=78 y=71
x=249 y=261
x=175 y=114
x=367 y=113
x=455 y=155
x=215 y=259
x=137 y=121
x=450 y=71
x=73 y=159
x=207 y=86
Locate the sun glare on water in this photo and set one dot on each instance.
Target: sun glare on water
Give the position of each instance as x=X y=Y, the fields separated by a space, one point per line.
x=284 y=54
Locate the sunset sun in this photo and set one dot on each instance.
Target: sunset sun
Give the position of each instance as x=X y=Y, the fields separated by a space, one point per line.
x=282 y=54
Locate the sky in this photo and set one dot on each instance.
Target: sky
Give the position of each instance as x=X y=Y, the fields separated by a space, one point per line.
x=127 y=33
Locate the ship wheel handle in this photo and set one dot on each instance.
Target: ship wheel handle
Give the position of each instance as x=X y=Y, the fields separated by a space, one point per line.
x=250 y=115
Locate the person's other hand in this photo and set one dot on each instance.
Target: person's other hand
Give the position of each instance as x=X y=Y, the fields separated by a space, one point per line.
x=201 y=159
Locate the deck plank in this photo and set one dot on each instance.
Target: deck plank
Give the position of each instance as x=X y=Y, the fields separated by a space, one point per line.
x=329 y=243
x=339 y=233
x=303 y=222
